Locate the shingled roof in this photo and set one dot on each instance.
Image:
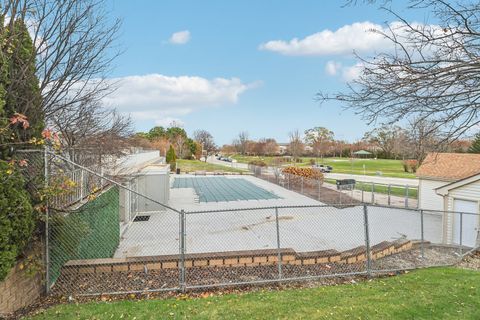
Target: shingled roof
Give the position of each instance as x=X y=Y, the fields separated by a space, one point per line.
x=449 y=166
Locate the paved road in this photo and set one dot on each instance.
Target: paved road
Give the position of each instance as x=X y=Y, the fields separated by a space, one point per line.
x=227 y=164
x=376 y=179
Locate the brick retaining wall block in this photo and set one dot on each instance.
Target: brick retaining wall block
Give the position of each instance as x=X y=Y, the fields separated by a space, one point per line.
x=238 y=258
x=20 y=289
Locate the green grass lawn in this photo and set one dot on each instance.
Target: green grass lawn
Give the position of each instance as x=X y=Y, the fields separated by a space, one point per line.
x=388 y=168
x=378 y=188
x=196 y=165
x=435 y=293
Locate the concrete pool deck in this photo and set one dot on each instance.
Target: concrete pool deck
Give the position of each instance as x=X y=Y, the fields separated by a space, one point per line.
x=302 y=229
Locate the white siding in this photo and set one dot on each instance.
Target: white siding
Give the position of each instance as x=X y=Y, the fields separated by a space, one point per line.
x=469 y=191
x=428 y=198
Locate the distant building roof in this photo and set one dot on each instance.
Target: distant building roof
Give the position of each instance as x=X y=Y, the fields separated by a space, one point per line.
x=362 y=152
x=449 y=166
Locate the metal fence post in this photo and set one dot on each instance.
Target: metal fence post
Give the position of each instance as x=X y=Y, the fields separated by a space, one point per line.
x=389 y=192
x=82 y=186
x=461 y=233
x=182 y=280
x=373 y=190
x=302 y=187
x=279 y=252
x=367 y=239
x=319 y=190
x=47 y=225
x=406 y=196
x=422 y=230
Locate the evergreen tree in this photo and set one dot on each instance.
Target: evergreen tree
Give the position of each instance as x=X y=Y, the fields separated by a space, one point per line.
x=171 y=158
x=156 y=133
x=22 y=88
x=4 y=130
x=19 y=93
x=475 y=147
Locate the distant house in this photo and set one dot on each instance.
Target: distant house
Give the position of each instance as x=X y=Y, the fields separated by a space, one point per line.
x=282 y=148
x=308 y=149
x=450 y=182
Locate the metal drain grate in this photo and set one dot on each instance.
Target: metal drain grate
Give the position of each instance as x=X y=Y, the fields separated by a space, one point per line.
x=141 y=218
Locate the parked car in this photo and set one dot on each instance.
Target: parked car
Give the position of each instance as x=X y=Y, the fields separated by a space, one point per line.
x=323 y=168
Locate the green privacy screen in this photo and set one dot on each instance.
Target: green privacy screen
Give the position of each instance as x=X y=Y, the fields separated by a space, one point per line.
x=90 y=232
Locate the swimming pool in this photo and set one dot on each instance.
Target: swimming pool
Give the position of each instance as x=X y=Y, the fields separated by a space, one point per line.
x=218 y=189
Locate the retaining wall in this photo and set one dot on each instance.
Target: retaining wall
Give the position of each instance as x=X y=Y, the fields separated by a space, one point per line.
x=235 y=259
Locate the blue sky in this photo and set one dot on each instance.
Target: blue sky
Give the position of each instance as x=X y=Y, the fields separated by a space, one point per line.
x=231 y=66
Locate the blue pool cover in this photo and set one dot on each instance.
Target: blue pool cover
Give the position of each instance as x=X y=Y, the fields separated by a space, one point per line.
x=216 y=189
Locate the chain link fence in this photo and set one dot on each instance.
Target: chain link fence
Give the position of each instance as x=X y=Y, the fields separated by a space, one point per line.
x=106 y=238
x=330 y=191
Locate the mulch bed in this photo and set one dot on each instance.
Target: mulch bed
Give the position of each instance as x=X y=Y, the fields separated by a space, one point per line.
x=471 y=262
x=433 y=256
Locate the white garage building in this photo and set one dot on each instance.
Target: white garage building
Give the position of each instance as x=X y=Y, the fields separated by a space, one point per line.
x=450 y=182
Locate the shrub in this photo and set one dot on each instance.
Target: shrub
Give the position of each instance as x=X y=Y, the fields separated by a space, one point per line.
x=410 y=165
x=312 y=161
x=309 y=177
x=309 y=173
x=258 y=163
x=17 y=220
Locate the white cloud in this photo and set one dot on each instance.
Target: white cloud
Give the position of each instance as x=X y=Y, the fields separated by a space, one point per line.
x=361 y=37
x=346 y=73
x=164 y=99
x=351 y=73
x=358 y=37
x=332 y=67
x=180 y=37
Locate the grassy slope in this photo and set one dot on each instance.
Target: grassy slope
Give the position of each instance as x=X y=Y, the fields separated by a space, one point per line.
x=436 y=293
x=389 y=168
x=196 y=165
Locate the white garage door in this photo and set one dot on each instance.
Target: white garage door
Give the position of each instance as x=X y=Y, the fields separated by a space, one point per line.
x=469 y=222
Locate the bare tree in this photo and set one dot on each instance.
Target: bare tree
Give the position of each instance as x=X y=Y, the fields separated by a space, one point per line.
x=205 y=139
x=242 y=142
x=92 y=132
x=423 y=138
x=271 y=146
x=319 y=138
x=75 y=47
x=295 y=145
x=180 y=144
x=386 y=138
x=431 y=73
